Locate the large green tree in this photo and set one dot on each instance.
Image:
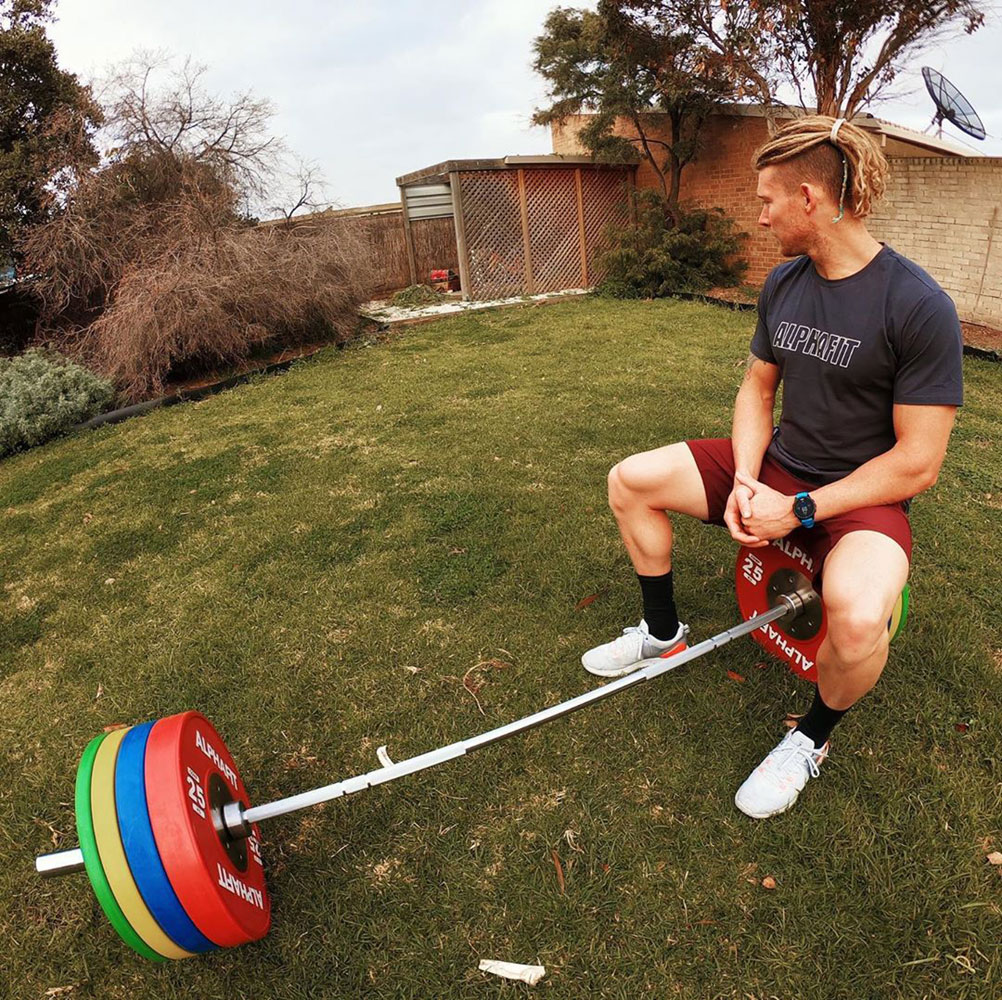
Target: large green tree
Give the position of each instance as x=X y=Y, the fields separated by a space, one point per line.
x=838 y=56
x=47 y=122
x=620 y=65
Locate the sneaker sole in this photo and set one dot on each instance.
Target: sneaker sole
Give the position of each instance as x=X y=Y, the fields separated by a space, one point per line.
x=634 y=667
x=765 y=815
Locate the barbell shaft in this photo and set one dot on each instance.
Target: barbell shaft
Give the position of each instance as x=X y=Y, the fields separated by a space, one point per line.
x=237 y=821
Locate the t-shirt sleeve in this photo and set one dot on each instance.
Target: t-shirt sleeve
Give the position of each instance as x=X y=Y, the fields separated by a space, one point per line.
x=931 y=353
x=761 y=345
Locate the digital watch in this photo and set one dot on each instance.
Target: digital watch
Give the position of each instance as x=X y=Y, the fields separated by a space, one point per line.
x=804 y=509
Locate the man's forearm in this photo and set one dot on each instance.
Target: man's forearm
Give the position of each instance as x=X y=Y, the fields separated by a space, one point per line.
x=751 y=430
x=889 y=478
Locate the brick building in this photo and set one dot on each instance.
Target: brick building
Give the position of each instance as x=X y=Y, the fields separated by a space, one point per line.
x=943 y=208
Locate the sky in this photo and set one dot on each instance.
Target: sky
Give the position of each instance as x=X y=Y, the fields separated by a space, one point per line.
x=369 y=90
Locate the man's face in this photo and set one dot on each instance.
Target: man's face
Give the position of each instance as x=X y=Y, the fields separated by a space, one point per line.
x=783 y=212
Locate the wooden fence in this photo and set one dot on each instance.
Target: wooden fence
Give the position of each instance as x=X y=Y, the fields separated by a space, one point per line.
x=380 y=228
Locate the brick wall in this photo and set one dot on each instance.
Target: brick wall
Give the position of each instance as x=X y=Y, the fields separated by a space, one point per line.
x=721 y=177
x=945 y=213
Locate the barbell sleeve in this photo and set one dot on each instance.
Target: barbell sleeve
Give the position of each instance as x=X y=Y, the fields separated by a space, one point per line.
x=59 y=863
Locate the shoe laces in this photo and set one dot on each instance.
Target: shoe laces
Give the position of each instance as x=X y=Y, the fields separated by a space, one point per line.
x=634 y=634
x=789 y=752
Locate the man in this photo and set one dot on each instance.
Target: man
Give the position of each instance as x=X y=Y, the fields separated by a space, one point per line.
x=868 y=348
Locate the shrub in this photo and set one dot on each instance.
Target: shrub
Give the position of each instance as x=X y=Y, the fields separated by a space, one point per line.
x=149 y=271
x=42 y=395
x=696 y=251
x=416 y=295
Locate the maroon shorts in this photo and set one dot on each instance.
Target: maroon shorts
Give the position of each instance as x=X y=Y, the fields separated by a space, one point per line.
x=715 y=461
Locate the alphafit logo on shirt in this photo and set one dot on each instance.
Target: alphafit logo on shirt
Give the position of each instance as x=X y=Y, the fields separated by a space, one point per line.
x=828 y=347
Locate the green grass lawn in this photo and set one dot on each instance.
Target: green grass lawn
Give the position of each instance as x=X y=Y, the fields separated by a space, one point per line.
x=317 y=561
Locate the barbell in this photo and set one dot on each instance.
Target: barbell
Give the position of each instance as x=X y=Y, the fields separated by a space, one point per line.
x=171 y=844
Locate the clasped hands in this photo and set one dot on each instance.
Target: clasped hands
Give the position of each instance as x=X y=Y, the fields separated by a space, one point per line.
x=756 y=513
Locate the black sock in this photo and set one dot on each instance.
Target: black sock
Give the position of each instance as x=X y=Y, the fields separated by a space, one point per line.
x=820 y=720
x=659 y=605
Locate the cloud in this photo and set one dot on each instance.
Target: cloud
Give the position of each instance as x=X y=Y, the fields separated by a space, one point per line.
x=377 y=89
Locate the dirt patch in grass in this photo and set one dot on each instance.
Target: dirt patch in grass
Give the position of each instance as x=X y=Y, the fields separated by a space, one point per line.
x=984 y=337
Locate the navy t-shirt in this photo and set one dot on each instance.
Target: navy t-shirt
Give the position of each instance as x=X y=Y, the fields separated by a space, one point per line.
x=847 y=351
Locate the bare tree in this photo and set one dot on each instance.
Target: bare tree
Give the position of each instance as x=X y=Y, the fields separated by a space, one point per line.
x=306 y=190
x=151 y=267
x=154 y=108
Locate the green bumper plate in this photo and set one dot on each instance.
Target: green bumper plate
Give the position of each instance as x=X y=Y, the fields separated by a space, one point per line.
x=92 y=860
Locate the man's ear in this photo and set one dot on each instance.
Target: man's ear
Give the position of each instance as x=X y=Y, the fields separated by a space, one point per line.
x=809 y=197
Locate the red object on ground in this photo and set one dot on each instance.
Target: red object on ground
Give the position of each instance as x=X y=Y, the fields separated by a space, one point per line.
x=220 y=885
x=444 y=280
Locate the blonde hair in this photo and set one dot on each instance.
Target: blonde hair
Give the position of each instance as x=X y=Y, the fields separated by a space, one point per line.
x=850 y=165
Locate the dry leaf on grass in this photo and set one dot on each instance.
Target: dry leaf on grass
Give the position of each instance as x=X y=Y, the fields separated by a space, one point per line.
x=735 y=676
x=473 y=687
x=560 y=870
x=995 y=858
x=768 y=882
x=117 y=725
x=589 y=600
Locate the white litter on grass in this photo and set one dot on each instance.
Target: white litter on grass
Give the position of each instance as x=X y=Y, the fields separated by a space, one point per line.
x=530 y=974
x=382 y=311
x=384 y=757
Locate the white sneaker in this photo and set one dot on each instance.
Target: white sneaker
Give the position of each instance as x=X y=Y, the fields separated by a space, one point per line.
x=627 y=653
x=775 y=784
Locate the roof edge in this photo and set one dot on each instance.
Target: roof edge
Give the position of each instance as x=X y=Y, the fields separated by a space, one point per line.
x=441 y=171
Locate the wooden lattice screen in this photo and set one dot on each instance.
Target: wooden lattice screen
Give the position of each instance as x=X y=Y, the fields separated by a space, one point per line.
x=535 y=230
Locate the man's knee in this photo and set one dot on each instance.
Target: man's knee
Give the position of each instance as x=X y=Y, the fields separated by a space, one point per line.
x=856 y=630
x=634 y=478
x=863 y=577
x=625 y=483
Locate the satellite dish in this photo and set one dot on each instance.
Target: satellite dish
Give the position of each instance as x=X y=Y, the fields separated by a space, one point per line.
x=951 y=104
